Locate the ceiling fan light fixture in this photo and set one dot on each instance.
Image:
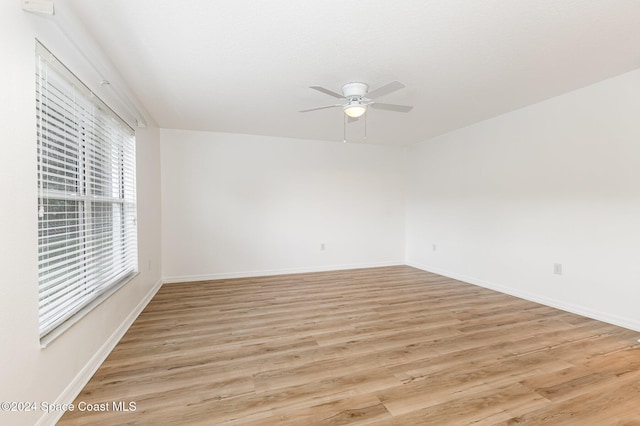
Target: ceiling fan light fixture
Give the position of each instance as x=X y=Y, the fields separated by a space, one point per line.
x=355 y=109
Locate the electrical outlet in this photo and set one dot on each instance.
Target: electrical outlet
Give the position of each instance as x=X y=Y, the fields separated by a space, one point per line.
x=323 y=247
x=557 y=268
x=434 y=247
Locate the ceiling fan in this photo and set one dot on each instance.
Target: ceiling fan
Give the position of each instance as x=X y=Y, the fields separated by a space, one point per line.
x=357 y=98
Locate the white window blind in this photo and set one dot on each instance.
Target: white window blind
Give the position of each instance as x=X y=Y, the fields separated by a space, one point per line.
x=87 y=233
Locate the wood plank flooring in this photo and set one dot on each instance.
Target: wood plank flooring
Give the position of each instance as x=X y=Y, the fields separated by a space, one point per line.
x=387 y=346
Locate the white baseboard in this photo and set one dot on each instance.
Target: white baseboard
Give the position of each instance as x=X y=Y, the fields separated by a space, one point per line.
x=609 y=318
x=80 y=381
x=269 y=272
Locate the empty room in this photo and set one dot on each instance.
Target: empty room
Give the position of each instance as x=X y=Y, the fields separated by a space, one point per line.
x=325 y=212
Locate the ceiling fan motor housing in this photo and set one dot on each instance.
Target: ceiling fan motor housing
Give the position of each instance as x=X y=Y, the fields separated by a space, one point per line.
x=350 y=90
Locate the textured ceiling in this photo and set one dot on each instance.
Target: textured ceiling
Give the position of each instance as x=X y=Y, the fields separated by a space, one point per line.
x=245 y=66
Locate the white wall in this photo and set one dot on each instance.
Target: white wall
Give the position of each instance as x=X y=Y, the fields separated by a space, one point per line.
x=57 y=372
x=556 y=182
x=238 y=205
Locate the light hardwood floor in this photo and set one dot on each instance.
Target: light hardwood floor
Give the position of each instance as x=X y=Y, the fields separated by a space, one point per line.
x=392 y=345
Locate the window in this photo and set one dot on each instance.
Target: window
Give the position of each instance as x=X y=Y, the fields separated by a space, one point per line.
x=87 y=233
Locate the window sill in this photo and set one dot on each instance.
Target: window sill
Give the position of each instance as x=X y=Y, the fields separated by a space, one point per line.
x=62 y=328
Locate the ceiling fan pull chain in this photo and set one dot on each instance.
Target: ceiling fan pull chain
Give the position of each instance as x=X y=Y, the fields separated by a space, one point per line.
x=344 y=128
x=365 y=126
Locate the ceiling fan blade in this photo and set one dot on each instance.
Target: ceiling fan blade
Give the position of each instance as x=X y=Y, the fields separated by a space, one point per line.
x=323 y=107
x=392 y=107
x=327 y=92
x=385 y=90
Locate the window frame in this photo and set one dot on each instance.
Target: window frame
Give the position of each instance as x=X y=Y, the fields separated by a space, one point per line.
x=87 y=204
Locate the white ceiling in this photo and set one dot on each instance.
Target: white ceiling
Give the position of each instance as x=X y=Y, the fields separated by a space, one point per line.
x=245 y=66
